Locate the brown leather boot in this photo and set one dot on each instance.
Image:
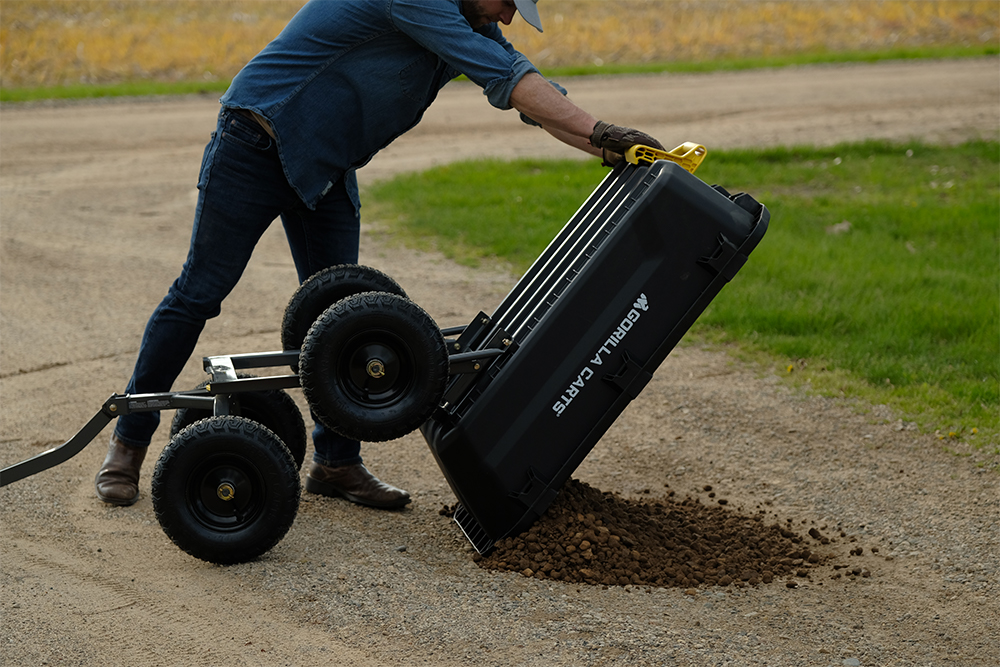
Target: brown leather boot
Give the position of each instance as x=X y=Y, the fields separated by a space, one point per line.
x=355 y=483
x=118 y=480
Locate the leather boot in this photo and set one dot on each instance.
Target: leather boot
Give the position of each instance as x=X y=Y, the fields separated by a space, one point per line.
x=118 y=480
x=355 y=483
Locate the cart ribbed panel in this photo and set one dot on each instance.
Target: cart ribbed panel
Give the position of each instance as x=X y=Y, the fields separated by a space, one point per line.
x=566 y=256
x=561 y=262
x=480 y=541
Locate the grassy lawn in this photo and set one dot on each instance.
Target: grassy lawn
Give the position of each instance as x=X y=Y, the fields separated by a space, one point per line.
x=879 y=277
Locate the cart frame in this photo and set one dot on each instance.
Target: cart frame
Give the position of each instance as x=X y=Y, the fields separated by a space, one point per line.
x=223 y=384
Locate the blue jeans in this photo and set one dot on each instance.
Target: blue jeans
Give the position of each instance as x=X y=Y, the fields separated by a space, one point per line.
x=243 y=188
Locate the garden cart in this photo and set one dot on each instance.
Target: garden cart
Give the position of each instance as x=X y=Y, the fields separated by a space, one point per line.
x=509 y=404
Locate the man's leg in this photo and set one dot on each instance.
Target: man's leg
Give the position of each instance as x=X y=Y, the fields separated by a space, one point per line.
x=242 y=190
x=319 y=239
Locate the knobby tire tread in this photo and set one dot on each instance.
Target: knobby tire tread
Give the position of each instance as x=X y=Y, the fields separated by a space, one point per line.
x=183 y=455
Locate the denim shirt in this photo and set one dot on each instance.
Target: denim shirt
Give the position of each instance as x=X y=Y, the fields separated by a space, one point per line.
x=344 y=79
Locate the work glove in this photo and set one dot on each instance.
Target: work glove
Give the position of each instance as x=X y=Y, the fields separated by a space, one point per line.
x=618 y=139
x=610 y=158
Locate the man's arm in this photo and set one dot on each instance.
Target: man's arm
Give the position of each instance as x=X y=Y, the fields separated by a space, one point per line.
x=575 y=141
x=537 y=99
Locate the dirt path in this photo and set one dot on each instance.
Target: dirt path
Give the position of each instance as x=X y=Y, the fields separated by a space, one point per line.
x=95 y=203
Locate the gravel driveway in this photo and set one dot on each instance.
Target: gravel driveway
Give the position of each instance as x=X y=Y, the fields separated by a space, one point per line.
x=95 y=207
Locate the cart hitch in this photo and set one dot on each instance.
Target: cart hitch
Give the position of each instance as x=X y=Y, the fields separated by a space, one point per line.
x=116 y=406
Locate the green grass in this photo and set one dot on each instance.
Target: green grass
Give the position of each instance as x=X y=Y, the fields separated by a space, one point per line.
x=128 y=89
x=147 y=87
x=901 y=309
x=814 y=58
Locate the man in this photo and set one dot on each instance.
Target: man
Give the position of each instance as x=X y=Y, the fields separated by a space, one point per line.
x=341 y=81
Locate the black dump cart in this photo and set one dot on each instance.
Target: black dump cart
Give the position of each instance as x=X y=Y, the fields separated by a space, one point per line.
x=510 y=404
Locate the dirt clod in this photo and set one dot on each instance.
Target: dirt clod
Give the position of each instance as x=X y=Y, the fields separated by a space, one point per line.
x=597 y=538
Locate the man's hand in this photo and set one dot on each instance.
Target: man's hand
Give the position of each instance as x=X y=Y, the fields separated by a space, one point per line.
x=610 y=158
x=618 y=139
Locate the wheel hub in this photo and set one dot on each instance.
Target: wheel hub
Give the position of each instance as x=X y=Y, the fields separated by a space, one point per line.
x=376 y=368
x=226 y=491
x=375 y=374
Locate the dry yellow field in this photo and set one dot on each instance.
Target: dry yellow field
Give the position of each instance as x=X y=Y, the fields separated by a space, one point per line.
x=57 y=42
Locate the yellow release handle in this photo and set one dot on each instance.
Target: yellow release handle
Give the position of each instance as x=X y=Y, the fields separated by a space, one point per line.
x=688 y=155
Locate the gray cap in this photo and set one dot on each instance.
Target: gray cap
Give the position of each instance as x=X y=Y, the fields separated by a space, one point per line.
x=529 y=11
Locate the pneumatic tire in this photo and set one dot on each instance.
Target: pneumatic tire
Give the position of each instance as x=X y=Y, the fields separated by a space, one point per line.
x=373 y=366
x=322 y=290
x=225 y=490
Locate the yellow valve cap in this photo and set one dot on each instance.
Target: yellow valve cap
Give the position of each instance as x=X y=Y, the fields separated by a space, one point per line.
x=688 y=155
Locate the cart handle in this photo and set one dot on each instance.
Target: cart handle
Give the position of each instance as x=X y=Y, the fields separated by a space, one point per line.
x=64 y=452
x=116 y=406
x=688 y=155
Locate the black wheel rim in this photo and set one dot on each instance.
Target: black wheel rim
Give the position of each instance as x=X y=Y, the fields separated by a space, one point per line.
x=226 y=492
x=376 y=369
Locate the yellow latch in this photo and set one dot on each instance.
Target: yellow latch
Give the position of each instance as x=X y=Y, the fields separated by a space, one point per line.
x=688 y=155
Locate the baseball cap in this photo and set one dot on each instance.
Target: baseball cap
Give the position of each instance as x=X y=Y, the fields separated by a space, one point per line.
x=529 y=12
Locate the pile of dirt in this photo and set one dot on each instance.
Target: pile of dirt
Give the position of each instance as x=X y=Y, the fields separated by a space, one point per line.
x=593 y=537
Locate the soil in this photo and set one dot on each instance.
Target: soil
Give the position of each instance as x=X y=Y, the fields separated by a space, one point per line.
x=591 y=537
x=838 y=534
